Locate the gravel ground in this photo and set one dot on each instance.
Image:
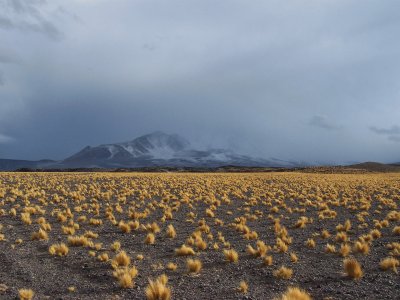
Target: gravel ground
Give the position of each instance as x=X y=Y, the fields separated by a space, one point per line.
x=29 y=264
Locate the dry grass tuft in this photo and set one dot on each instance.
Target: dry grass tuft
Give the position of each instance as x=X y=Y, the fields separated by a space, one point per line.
x=361 y=247
x=341 y=236
x=121 y=260
x=231 y=255
x=184 y=250
x=171 y=233
x=345 y=250
x=78 y=241
x=330 y=248
x=310 y=243
x=126 y=276
x=325 y=234
x=26 y=294
x=352 y=268
x=344 y=227
x=389 y=263
x=103 y=257
x=243 y=287
x=281 y=246
x=200 y=244
x=193 y=265
x=150 y=239
x=294 y=293
x=40 y=235
x=283 y=273
x=158 y=289
x=293 y=257
x=58 y=249
x=396 y=230
x=125 y=227
x=172 y=266
x=115 y=246
x=268 y=260
x=3 y=287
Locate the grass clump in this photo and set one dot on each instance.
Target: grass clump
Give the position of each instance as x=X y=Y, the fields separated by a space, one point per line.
x=231 y=255
x=172 y=266
x=40 y=235
x=121 y=260
x=345 y=250
x=158 y=289
x=283 y=273
x=26 y=294
x=352 y=268
x=150 y=239
x=243 y=287
x=58 y=249
x=184 y=251
x=294 y=293
x=171 y=233
x=126 y=276
x=389 y=263
x=194 y=266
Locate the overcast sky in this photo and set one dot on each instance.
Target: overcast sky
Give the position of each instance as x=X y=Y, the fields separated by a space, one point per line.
x=311 y=80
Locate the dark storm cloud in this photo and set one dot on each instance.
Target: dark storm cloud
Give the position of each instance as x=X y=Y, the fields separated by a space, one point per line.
x=4 y=139
x=323 y=122
x=6 y=23
x=8 y=57
x=394 y=138
x=266 y=78
x=392 y=133
x=394 y=130
x=27 y=16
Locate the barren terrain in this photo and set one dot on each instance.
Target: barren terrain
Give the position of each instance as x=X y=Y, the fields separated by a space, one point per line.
x=308 y=223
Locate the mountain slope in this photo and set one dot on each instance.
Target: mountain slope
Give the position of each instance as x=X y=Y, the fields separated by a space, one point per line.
x=156 y=149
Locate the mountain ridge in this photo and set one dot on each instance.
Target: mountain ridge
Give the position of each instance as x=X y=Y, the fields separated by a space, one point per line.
x=159 y=149
x=156 y=149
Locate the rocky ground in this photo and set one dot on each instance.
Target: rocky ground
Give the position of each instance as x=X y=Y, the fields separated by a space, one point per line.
x=29 y=265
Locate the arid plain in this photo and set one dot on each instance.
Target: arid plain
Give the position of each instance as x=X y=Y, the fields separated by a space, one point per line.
x=199 y=236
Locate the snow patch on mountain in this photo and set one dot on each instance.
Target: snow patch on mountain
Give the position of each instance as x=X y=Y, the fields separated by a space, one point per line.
x=161 y=149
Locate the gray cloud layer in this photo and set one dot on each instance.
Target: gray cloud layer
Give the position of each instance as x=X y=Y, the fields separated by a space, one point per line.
x=323 y=122
x=27 y=16
x=392 y=133
x=268 y=78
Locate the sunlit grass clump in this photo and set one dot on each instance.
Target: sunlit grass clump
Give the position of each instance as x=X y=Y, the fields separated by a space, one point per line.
x=352 y=268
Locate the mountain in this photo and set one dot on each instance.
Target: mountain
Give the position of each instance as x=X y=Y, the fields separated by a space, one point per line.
x=156 y=149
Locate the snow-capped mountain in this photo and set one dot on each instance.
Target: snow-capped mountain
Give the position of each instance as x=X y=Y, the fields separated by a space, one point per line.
x=156 y=149
x=156 y=145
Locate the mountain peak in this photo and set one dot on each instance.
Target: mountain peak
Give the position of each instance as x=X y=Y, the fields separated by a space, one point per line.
x=157 y=149
x=156 y=144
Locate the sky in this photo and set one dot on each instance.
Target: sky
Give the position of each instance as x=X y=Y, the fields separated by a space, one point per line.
x=309 y=80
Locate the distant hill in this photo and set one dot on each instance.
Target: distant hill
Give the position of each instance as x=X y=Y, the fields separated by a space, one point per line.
x=13 y=164
x=376 y=167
